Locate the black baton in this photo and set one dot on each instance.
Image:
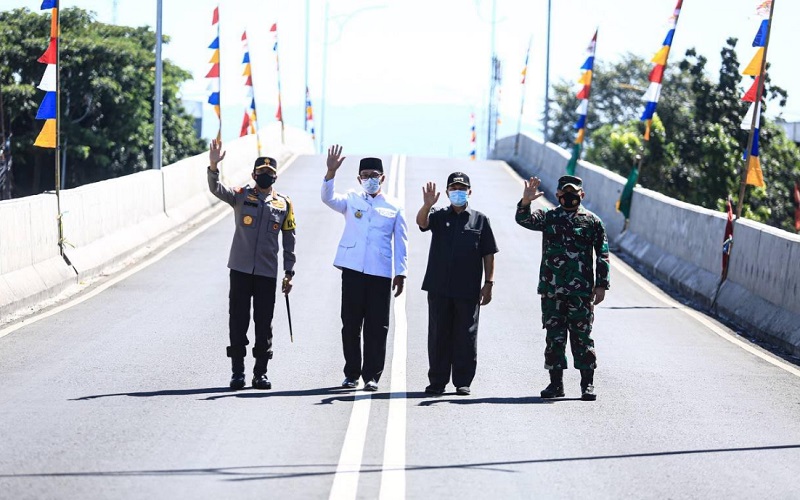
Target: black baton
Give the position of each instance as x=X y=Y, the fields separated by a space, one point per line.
x=289 y=314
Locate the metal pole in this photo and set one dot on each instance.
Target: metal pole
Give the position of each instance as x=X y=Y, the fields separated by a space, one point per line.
x=157 y=104
x=324 y=102
x=493 y=78
x=546 y=133
x=58 y=130
x=308 y=16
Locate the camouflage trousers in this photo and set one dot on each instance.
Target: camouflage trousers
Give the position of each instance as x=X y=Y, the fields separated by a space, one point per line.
x=573 y=314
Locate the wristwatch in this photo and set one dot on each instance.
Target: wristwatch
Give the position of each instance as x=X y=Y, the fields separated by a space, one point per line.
x=290 y=273
x=489 y=282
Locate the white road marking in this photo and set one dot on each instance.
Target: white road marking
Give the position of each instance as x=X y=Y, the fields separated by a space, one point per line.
x=348 y=470
x=698 y=316
x=222 y=208
x=393 y=473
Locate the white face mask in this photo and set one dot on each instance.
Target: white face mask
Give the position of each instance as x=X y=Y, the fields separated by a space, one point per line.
x=371 y=185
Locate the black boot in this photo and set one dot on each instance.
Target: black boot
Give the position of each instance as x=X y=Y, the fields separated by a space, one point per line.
x=260 y=380
x=587 y=385
x=237 y=366
x=556 y=387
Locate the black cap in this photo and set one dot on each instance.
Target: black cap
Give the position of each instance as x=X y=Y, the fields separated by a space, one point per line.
x=570 y=180
x=458 y=178
x=266 y=161
x=371 y=164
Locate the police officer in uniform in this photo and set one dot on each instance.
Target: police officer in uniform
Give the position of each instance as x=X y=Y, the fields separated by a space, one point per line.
x=461 y=253
x=261 y=215
x=569 y=284
x=374 y=236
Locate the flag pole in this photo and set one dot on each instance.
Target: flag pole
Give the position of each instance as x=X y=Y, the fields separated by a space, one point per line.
x=756 y=116
x=57 y=33
x=522 y=99
x=157 y=100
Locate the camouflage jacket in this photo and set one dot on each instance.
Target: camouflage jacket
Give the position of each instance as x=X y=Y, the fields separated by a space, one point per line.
x=567 y=242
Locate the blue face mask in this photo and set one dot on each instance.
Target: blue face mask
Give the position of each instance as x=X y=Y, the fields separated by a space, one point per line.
x=371 y=185
x=458 y=198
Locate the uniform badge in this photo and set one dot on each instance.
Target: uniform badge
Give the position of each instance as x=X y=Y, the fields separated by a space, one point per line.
x=359 y=214
x=247 y=220
x=447 y=224
x=275 y=226
x=252 y=197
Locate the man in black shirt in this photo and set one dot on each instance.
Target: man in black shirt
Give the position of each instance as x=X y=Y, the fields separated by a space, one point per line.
x=462 y=251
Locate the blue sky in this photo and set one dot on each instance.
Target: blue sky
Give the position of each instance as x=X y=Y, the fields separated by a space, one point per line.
x=437 y=51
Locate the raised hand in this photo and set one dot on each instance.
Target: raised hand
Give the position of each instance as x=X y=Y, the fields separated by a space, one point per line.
x=429 y=194
x=531 y=191
x=215 y=154
x=335 y=160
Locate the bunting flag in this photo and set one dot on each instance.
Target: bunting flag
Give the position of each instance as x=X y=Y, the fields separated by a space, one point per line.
x=624 y=202
x=473 y=138
x=585 y=82
x=214 y=73
x=752 y=119
x=310 y=116
x=249 y=122
x=48 y=109
x=522 y=98
x=796 y=202
x=727 y=239
x=659 y=61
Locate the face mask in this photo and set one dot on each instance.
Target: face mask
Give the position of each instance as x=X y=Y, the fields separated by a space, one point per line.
x=371 y=185
x=458 y=198
x=570 y=201
x=265 y=180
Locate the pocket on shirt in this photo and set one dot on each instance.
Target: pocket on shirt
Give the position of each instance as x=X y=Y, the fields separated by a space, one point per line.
x=248 y=218
x=274 y=224
x=471 y=238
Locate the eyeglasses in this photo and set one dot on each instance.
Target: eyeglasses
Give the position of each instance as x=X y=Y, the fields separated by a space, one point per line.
x=373 y=175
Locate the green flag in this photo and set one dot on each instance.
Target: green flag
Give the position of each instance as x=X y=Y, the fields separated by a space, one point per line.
x=576 y=154
x=624 y=203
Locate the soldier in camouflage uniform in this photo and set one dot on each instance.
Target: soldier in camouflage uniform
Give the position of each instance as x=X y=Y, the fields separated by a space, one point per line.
x=567 y=282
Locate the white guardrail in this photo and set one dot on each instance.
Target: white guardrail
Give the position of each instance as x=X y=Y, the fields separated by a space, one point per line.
x=681 y=244
x=106 y=222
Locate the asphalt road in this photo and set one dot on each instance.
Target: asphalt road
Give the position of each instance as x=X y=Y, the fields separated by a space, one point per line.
x=124 y=395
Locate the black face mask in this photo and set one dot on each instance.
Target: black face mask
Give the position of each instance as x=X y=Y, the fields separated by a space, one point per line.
x=570 y=201
x=265 y=180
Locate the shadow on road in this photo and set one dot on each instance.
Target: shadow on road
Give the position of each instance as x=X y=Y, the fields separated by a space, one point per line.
x=375 y=395
x=228 y=393
x=284 y=471
x=525 y=400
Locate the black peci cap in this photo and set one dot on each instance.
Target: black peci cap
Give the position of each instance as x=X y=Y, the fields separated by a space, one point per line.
x=458 y=178
x=371 y=164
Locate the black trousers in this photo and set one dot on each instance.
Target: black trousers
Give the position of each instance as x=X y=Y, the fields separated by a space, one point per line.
x=261 y=290
x=365 y=303
x=452 y=340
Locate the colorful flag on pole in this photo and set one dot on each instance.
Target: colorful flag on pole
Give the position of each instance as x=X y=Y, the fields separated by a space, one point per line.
x=624 y=202
x=752 y=119
x=274 y=31
x=310 y=116
x=796 y=200
x=727 y=239
x=48 y=109
x=657 y=73
x=583 y=107
x=214 y=73
x=473 y=138
x=249 y=122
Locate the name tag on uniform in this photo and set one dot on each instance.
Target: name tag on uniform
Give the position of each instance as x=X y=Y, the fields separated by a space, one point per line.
x=251 y=204
x=386 y=212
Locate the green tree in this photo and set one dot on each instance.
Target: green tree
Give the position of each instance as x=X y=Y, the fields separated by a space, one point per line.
x=695 y=150
x=107 y=81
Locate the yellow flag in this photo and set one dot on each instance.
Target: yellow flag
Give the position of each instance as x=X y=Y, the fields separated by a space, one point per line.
x=754 y=68
x=647 y=130
x=586 y=78
x=47 y=137
x=661 y=56
x=581 y=134
x=54 y=24
x=754 y=175
x=215 y=57
x=247 y=70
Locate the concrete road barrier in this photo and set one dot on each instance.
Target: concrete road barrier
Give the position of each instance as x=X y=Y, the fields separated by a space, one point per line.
x=106 y=222
x=682 y=244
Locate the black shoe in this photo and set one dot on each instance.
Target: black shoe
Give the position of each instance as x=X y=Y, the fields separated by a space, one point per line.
x=261 y=382
x=371 y=386
x=463 y=391
x=349 y=383
x=587 y=393
x=554 y=390
x=237 y=381
x=436 y=391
